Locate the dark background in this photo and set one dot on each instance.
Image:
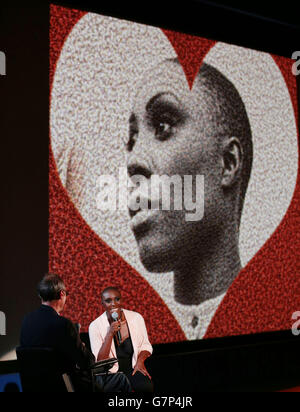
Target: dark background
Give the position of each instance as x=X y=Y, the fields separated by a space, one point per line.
x=267 y=361
x=24 y=161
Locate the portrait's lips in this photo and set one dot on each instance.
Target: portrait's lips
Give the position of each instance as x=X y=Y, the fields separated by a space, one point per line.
x=142 y=219
x=149 y=207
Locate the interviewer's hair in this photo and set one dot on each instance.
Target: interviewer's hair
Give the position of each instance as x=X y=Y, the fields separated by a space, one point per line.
x=49 y=287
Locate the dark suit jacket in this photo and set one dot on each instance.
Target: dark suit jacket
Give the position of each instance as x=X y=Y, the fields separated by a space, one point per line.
x=45 y=328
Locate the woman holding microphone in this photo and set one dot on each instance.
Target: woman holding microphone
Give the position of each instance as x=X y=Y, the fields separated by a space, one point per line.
x=122 y=334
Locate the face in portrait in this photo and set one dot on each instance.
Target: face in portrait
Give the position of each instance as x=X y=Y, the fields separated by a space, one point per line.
x=118 y=82
x=204 y=132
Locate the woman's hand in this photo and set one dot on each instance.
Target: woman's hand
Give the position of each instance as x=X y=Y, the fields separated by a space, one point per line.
x=140 y=367
x=106 y=345
x=114 y=327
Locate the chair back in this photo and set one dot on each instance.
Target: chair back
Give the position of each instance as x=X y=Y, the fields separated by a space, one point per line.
x=40 y=370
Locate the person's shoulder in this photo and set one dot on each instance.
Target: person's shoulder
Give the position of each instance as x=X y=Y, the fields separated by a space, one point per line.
x=64 y=321
x=65 y=326
x=41 y=312
x=132 y=314
x=35 y=311
x=55 y=318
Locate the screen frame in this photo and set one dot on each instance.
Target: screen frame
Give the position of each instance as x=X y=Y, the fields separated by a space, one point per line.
x=31 y=261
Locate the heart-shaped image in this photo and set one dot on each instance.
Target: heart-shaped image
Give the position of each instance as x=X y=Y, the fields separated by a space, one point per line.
x=133 y=100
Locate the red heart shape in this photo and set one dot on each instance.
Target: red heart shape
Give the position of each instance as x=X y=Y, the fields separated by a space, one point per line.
x=262 y=298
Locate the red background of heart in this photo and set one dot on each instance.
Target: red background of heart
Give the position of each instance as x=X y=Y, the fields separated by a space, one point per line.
x=262 y=298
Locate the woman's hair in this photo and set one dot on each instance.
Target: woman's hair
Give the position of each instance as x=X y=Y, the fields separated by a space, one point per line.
x=49 y=287
x=115 y=288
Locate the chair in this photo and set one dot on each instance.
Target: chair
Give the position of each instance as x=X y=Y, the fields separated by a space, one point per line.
x=101 y=369
x=40 y=371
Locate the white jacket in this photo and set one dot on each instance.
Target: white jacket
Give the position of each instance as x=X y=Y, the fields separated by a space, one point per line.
x=99 y=328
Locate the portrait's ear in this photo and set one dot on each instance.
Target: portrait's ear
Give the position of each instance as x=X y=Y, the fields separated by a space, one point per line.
x=232 y=159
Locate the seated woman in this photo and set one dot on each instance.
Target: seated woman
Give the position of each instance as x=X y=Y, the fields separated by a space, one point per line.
x=125 y=339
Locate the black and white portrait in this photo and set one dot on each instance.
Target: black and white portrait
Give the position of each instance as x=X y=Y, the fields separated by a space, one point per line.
x=120 y=100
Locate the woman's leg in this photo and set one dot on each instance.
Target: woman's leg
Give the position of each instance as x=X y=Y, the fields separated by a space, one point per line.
x=140 y=382
x=114 y=382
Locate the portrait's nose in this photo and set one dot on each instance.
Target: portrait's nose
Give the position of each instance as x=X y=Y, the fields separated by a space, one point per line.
x=138 y=166
x=139 y=158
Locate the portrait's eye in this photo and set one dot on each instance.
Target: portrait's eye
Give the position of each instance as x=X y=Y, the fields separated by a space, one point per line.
x=164 y=119
x=163 y=130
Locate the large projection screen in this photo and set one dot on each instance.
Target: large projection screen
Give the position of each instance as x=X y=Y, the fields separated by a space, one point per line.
x=129 y=99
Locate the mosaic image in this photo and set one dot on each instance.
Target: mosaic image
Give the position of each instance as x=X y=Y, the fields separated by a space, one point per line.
x=212 y=248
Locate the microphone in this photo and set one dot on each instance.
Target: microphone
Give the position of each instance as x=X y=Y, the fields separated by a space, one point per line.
x=115 y=317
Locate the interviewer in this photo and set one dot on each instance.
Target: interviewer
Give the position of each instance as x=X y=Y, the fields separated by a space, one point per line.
x=45 y=327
